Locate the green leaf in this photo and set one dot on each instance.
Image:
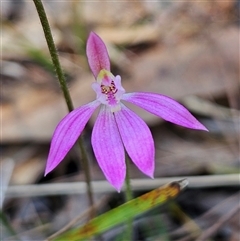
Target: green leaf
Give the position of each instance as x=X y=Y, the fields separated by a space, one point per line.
x=125 y=212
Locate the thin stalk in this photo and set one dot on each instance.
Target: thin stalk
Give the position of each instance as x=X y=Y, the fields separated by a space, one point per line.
x=86 y=168
x=53 y=52
x=63 y=84
x=128 y=197
x=128 y=191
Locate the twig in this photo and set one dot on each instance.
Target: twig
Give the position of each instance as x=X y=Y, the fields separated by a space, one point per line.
x=214 y=228
x=104 y=187
x=202 y=219
x=83 y=215
x=39 y=229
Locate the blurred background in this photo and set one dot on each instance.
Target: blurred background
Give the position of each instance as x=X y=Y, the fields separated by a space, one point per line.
x=188 y=50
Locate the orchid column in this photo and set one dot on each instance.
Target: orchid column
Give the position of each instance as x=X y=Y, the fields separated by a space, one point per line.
x=117 y=127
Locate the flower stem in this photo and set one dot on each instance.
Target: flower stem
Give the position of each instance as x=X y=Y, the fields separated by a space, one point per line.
x=129 y=194
x=85 y=164
x=128 y=197
x=53 y=52
x=63 y=84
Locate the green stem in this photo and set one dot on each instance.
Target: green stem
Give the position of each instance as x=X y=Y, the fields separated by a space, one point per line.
x=87 y=175
x=128 y=192
x=63 y=84
x=128 y=197
x=53 y=52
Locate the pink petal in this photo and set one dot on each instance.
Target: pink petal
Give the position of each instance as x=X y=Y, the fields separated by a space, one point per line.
x=67 y=132
x=137 y=139
x=165 y=107
x=97 y=54
x=108 y=148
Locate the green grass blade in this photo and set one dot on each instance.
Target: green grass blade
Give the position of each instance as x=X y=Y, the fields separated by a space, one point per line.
x=126 y=211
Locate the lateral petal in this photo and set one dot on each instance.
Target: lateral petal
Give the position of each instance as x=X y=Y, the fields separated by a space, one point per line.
x=97 y=54
x=67 y=132
x=108 y=148
x=137 y=139
x=165 y=107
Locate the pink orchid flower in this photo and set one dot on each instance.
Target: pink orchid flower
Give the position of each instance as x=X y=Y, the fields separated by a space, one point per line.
x=116 y=127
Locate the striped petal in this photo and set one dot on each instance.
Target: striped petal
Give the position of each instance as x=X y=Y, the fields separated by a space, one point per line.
x=67 y=132
x=165 y=107
x=108 y=148
x=97 y=54
x=137 y=139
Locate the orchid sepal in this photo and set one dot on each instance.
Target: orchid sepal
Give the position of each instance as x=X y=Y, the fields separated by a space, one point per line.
x=97 y=54
x=164 y=107
x=67 y=132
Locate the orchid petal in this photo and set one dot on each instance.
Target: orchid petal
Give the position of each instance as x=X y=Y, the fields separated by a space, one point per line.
x=97 y=54
x=67 y=132
x=108 y=148
x=137 y=139
x=165 y=107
